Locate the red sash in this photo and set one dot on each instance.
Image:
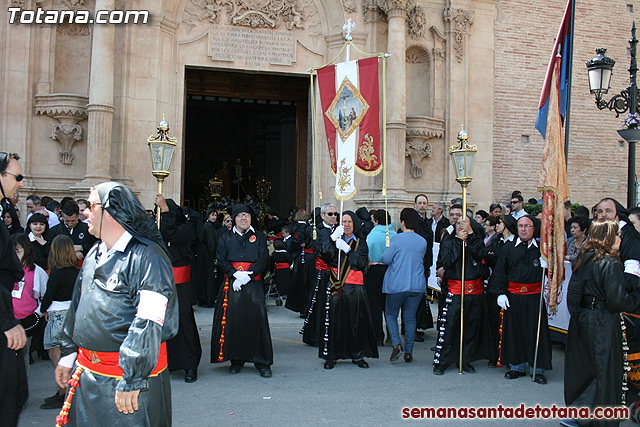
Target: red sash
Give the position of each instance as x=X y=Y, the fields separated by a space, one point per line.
x=182 y=274
x=281 y=265
x=524 y=288
x=245 y=266
x=472 y=287
x=308 y=250
x=107 y=362
x=321 y=265
x=353 y=277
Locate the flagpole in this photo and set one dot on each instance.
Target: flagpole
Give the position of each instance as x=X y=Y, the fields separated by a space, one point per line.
x=535 y=357
x=569 y=78
x=315 y=152
x=384 y=143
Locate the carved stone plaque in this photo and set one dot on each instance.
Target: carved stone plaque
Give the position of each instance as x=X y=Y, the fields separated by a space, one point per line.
x=252 y=47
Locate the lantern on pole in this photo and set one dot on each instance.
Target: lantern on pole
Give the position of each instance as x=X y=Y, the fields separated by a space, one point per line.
x=462 y=157
x=161 y=148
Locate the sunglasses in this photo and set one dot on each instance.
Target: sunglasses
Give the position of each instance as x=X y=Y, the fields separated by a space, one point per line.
x=17 y=177
x=331 y=213
x=91 y=205
x=513 y=202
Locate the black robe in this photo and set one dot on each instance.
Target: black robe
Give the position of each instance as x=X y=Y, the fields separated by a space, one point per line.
x=103 y=317
x=282 y=275
x=521 y=264
x=184 y=350
x=424 y=318
x=13 y=376
x=593 y=374
x=303 y=275
x=313 y=329
x=349 y=331
x=246 y=327
x=208 y=282
x=476 y=334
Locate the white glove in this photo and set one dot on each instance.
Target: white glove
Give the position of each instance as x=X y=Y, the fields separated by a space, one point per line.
x=337 y=233
x=243 y=277
x=343 y=246
x=237 y=285
x=543 y=263
x=503 y=302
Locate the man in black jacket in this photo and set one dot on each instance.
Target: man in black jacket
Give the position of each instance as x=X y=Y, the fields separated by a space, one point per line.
x=77 y=230
x=13 y=376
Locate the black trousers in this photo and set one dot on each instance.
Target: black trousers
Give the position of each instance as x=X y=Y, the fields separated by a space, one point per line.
x=373 y=287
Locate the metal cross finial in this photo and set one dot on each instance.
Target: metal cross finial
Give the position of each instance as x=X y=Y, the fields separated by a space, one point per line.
x=348 y=27
x=461 y=126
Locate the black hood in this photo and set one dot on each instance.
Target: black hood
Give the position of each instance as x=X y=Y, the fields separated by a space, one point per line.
x=356 y=222
x=363 y=214
x=620 y=211
x=126 y=209
x=238 y=209
x=536 y=225
x=511 y=224
x=177 y=211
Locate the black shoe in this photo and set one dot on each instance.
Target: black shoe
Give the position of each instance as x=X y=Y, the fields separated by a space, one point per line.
x=419 y=333
x=53 y=398
x=329 y=364
x=265 y=373
x=235 y=369
x=492 y=364
x=361 y=363
x=433 y=348
x=191 y=375
x=466 y=367
x=418 y=338
x=541 y=379
x=53 y=404
x=408 y=357
x=512 y=375
x=438 y=370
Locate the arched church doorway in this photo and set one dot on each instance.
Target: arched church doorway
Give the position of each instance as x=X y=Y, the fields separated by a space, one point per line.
x=242 y=128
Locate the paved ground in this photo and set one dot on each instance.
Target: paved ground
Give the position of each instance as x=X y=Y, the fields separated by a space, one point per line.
x=301 y=392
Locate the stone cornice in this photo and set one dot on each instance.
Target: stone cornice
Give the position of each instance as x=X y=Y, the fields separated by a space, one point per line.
x=62 y=105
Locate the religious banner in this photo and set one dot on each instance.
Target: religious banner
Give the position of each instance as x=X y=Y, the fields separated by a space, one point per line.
x=349 y=95
x=553 y=176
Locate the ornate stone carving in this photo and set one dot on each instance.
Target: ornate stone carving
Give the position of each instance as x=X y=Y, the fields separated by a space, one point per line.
x=67 y=134
x=349 y=6
x=417 y=151
x=73 y=29
x=416 y=55
x=248 y=13
x=437 y=53
x=68 y=109
x=414 y=13
x=417 y=20
x=461 y=20
x=419 y=131
x=370 y=11
x=73 y=4
x=394 y=6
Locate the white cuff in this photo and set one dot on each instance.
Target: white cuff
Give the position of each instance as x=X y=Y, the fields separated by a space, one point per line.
x=152 y=306
x=632 y=266
x=68 y=360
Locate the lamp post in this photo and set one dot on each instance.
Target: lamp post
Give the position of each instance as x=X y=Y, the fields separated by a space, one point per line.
x=462 y=157
x=161 y=148
x=600 y=69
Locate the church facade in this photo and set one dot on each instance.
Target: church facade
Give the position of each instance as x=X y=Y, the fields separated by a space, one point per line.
x=231 y=78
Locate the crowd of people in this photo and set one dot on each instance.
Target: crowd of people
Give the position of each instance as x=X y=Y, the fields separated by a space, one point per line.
x=348 y=275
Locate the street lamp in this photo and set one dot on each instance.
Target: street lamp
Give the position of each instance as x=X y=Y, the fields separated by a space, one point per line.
x=462 y=156
x=600 y=69
x=161 y=147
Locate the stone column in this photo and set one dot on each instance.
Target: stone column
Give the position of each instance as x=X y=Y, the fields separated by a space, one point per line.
x=100 y=109
x=396 y=11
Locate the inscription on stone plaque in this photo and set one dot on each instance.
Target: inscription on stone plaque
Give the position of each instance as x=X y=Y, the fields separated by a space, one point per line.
x=253 y=47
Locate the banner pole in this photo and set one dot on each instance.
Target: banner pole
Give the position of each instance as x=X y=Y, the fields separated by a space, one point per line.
x=535 y=357
x=384 y=143
x=314 y=168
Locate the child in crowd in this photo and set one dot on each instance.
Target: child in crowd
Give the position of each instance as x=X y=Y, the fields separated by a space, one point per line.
x=26 y=294
x=63 y=272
